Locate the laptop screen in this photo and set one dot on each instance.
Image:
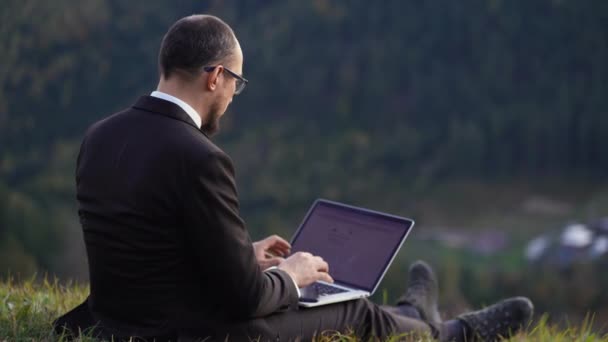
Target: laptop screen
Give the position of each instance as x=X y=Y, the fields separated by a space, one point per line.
x=357 y=244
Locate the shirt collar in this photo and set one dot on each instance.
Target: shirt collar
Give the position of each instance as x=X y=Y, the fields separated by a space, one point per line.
x=183 y=105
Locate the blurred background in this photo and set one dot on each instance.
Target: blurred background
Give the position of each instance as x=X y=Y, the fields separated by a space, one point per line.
x=484 y=120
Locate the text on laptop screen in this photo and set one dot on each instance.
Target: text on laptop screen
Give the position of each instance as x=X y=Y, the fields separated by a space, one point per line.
x=356 y=244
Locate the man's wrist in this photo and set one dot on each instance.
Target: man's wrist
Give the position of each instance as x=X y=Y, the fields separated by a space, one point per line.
x=290 y=277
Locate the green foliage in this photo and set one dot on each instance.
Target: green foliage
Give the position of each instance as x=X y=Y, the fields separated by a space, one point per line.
x=28 y=308
x=479 y=88
x=32 y=214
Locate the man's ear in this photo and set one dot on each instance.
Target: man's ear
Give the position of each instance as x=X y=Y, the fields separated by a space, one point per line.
x=213 y=79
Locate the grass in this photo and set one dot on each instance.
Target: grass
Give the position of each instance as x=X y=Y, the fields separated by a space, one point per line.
x=28 y=308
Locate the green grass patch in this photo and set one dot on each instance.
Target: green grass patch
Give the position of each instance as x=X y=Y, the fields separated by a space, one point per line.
x=28 y=308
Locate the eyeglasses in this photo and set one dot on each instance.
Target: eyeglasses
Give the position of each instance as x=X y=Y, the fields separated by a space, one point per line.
x=241 y=82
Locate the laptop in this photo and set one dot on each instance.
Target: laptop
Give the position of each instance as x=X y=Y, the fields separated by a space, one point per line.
x=358 y=244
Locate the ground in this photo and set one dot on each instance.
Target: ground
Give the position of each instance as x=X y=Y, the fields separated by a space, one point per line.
x=27 y=309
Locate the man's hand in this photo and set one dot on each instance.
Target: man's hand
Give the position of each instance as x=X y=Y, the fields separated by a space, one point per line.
x=306 y=269
x=271 y=251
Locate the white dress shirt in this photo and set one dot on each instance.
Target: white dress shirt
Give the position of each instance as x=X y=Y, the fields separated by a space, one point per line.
x=197 y=120
x=294 y=281
x=186 y=107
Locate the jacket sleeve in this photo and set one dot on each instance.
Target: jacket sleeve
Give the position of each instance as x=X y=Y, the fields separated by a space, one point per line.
x=222 y=247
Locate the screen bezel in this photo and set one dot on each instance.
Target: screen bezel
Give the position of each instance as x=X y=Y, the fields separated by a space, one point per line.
x=408 y=225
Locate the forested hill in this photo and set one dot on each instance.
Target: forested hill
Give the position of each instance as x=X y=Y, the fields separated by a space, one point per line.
x=347 y=99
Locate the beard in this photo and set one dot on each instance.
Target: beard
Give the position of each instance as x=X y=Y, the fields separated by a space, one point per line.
x=212 y=126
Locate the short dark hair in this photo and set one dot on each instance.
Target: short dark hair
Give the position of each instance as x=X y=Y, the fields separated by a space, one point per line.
x=194 y=42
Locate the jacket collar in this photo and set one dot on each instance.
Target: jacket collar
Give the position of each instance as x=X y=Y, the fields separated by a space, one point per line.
x=163 y=107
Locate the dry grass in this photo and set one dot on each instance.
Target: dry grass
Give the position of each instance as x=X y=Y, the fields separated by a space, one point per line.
x=28 y=308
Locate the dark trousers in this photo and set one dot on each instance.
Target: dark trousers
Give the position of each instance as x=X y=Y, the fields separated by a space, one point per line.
x=361 y=317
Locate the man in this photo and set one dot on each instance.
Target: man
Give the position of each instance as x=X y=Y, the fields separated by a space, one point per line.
x=169 y=256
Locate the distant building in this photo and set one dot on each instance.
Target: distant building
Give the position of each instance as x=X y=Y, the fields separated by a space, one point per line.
x=575 y=243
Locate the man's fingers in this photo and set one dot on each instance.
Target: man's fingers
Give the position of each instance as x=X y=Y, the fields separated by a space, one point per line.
x=277 y=250
x=323 y=267
x=279 y=242
x=321 y=264
x=325 y=277
x=277 y=245
x=273 y=261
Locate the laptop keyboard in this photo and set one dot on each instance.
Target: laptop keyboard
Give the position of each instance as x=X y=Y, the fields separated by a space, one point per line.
x=324 y=290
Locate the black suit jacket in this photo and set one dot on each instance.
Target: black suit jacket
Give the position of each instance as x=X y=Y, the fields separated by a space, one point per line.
x=167 y=250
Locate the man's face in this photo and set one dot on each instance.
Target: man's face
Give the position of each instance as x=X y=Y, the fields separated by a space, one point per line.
x=224 y=92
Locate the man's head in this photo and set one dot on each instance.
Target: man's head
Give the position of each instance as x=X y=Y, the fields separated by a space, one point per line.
x=201 y=57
